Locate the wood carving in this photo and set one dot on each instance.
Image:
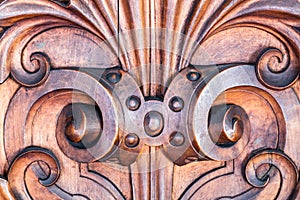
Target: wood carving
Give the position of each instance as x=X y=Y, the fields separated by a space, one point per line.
x=154 y=99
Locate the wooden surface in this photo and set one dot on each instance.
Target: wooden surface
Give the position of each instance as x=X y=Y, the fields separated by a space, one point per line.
x=154 y=99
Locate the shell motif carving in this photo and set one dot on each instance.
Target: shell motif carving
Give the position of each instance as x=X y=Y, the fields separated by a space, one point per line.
x=155 y=99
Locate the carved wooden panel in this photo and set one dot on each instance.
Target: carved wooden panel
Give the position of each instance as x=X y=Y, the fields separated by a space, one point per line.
x=149 y=99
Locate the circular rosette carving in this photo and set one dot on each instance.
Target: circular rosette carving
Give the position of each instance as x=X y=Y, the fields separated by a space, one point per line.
x=259 y=168
x=34 y=167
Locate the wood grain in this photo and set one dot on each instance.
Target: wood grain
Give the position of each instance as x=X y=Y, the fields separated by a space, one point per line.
x=154 y=99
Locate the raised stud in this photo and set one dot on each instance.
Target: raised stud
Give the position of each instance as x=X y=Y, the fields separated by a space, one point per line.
x=153 y=123
x=176 y=104
x=113 y=77
x=193 y=76
x=132 y=140
x=133 y=103
x=176 y=139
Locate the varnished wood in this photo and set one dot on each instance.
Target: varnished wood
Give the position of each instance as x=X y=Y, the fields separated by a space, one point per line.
x=154 y=99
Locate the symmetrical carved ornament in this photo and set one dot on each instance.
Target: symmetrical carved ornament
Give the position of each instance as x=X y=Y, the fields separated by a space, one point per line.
x=154 y=99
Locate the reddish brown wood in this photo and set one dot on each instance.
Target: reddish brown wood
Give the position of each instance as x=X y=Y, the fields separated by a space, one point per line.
x=154 y=99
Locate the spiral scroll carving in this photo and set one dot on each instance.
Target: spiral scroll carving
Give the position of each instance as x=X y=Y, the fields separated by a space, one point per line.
x=164 y=99
x=274 y=70
x=282 y=163
x=35 y=74
x=108 y=137
x=19 y=177
x=228 y=124
x=79 y=128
